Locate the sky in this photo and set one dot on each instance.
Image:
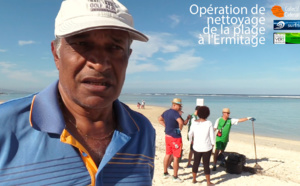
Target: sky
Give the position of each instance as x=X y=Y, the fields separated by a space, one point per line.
x=172 y=61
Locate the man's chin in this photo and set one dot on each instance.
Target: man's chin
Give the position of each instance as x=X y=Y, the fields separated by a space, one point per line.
x=97 y=102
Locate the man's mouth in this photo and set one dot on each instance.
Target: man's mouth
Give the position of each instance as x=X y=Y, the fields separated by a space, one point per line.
x=96 y=84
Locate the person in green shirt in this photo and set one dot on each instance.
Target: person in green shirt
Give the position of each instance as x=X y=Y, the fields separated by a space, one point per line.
x=223 y=126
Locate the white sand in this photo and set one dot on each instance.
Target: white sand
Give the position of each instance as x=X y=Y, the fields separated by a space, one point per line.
x=279 y=158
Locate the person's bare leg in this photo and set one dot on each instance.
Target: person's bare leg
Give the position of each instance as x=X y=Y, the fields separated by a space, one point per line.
x=194 y=177
x=216 y=156
x=190 y=158
x=208 y=180
x=166 y=162
x=170 y=160
x=175 y=166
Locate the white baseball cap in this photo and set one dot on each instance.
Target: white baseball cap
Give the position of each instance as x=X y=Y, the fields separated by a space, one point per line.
x=77 y=16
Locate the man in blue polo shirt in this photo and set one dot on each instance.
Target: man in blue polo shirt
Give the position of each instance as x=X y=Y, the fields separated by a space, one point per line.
x=76 y=131
x=172 y=121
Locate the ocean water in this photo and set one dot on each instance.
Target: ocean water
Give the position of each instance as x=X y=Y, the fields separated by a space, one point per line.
x=276 y=116
x=10 y=96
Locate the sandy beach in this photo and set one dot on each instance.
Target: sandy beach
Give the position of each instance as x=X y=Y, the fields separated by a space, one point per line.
x=279 y=158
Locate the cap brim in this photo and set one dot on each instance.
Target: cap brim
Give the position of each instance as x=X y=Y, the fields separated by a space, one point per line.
x=84 y=24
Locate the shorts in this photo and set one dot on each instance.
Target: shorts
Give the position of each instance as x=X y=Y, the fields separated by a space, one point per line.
x=220 y=145
x=173 y=146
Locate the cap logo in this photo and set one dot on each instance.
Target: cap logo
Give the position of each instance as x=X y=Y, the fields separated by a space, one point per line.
x=102 y=5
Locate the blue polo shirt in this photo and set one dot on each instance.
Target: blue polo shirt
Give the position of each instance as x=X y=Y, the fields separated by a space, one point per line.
x=172 y=127
x=36 y=149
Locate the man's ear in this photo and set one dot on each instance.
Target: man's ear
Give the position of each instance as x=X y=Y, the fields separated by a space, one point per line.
x=55 y=55
x=130 y=51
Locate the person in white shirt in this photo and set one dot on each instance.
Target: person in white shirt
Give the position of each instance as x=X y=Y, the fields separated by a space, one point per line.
x=192 y=118
x=202 y=132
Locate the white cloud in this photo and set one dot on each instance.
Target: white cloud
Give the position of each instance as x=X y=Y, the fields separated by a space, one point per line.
x=5 y=65
x=163 y=42
x=162 y=47
x=21 y=43
x=158 y=42
x=134 y=67
x=2 y=50
x=12 y=73
x=142 y=51
x=49 y=73
x=183 y=61
x=175 y=20
x=23 y=75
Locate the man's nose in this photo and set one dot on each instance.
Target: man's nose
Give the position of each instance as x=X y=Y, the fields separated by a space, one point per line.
x=99 y=59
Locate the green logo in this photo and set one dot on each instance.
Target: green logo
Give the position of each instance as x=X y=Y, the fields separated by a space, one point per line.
x=286 y=38
x=292 y=38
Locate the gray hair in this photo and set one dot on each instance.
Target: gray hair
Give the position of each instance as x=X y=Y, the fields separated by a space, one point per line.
x=57 y=45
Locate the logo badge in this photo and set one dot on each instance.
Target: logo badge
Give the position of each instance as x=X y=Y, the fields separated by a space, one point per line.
x=277 y=11
x=278 y=25
x=286 y=38
x=279 y=38
x=286 y=24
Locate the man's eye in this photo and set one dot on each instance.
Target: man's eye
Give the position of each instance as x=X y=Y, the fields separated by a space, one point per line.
x=116 y=47
x=83 y=43
x=81 y=46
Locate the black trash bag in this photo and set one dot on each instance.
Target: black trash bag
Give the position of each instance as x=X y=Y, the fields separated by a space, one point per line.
x=234 y=163
x=221 y=157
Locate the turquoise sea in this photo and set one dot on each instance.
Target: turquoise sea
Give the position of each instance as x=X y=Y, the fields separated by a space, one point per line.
x=276 y=116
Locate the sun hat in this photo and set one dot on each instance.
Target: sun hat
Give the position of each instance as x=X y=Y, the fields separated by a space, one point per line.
x=177 y=101
x=227 y=110
x=77 y=16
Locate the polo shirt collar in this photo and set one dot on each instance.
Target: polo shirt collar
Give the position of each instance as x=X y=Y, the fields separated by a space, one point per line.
x=46 y=115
